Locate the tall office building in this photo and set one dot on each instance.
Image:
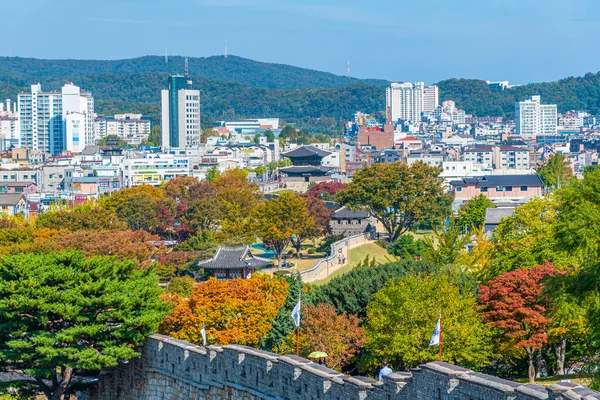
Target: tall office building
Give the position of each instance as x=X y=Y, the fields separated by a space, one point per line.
x=535 y=119
x=56 y=121
x=180 y=109
x=407 y=101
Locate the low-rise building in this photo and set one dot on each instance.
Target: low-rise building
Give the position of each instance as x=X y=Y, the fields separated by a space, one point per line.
x=13 y=203
x=506 y=188
x=345 y=221
x=154 y=169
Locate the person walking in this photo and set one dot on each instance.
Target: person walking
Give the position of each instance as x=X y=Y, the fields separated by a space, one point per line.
x=384 y=371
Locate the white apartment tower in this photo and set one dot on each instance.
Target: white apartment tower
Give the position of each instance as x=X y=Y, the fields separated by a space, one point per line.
x=180 y=119
x=56 y=121
x=407 y=101
x=535 y=119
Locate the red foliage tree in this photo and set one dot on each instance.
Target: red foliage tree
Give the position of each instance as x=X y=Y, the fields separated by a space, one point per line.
x=326 y=190
x=515 y=304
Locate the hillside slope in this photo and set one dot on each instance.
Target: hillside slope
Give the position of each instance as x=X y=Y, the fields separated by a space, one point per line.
x=231 y=68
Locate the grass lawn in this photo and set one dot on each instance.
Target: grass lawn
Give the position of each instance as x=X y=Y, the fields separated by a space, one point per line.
x=356 y=255
x=581 y=379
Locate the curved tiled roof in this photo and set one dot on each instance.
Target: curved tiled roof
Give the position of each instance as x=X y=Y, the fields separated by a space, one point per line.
x=306 y=151
x=233 y=258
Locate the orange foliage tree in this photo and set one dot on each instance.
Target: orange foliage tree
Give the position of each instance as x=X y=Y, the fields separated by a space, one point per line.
x=123 y=244
x=239 y=311
x=322 y=329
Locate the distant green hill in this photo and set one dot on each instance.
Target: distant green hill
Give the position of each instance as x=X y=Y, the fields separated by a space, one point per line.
x=476 y=97
x=231 y=68
x=235 y=87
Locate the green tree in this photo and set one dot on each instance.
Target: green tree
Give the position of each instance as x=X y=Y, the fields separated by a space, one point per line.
x=283 y=325
x=446 y=245
x=104 y=140
x=407 y=247
x=138 y=212
x=288 y=132
x=352 y=292
x=212 y=174
x=87 y=216
x=277 y=220
x=578 y=216
x=63 y=313
x=270 y=136
x=401 y=318
x=472 y=214
x=526 y=238
x=555 y=172
x=155 y=138
x=397 y=195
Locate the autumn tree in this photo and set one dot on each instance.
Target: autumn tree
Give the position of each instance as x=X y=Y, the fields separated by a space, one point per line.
x=514 y=304
x=61 y=313
x=277 y=220
x=472 y=213
x=87 y=216
x=138 y=212
x=326 y=190
x=113 y=201
x=121 y=244
x=322 y=329
x=402 y=316
x=238 y=198
x=238 y=311
x=321 y=216
x=555 y=172
x=397 y=195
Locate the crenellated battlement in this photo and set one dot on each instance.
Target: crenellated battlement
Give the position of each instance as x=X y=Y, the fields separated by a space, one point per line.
x=176 y=370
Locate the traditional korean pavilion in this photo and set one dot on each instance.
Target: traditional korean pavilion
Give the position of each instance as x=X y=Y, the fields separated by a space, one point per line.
x=233 y=262
x=306 y=162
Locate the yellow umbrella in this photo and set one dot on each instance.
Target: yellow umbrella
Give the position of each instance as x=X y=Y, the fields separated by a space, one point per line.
x=317 y=354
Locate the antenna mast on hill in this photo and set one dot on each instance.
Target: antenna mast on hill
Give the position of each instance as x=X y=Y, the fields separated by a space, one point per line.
x=226 y=49
x=166 y=55
x=347 y=67
x=187 y=70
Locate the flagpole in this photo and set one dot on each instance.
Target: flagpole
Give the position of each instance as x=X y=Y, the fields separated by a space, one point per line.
x=297 y=338
x=440 y=335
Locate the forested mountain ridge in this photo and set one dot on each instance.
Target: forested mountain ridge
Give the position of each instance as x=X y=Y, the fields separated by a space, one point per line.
x=477 y=98
x=234 y=87
x=230 y=68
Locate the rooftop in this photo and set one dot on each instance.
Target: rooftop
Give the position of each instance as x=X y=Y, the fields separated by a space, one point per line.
x=233 y=258
x=306 y=151
x=500 y=180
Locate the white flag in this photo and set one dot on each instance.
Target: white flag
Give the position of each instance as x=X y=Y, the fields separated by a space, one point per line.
x=203 y=332
x=296 y=314
x=435 y=338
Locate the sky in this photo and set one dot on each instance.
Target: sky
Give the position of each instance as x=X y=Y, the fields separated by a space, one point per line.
x=521 y=41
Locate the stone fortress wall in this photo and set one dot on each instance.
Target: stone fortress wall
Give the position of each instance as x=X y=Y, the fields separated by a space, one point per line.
x=171 y=369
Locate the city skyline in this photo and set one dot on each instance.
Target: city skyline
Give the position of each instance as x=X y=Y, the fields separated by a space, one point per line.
x=522 y=42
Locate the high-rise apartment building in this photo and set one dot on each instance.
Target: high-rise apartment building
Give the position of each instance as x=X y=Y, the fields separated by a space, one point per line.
x=52 y=122
x=407 y=101
x=180 y=109
x=535 y=119
x=9 y=126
